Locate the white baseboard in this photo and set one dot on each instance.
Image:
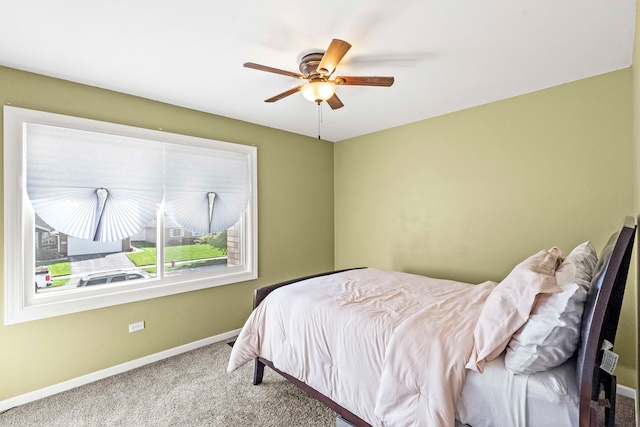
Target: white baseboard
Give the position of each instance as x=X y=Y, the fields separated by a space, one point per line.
x=626 y=391
x=118 y=369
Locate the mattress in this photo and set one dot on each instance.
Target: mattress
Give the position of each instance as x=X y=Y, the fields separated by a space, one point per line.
x=498 y=398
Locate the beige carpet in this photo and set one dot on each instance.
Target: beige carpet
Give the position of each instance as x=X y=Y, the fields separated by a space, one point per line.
x=192 y=389
x=189 y=390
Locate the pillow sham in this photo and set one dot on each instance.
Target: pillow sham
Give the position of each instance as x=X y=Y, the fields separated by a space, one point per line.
x=508 y=306
x=580 y=265
x=552 y=333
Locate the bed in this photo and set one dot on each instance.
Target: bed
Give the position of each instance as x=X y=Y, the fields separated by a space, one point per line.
x=385 y=348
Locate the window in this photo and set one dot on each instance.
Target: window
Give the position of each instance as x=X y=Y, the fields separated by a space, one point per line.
x=115 y=214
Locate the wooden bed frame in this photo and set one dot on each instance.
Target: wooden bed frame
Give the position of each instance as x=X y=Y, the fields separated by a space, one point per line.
x=600 y=322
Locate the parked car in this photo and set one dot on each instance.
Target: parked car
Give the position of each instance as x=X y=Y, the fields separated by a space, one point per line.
x=43 y=277
x=112 y=277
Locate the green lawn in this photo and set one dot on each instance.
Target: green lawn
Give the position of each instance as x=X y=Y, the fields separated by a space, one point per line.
x=58 y=268
x=146 y=257
x=59 y=282
x=174 y=253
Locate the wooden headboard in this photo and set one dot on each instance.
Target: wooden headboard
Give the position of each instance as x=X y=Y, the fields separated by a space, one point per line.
x=600 y=322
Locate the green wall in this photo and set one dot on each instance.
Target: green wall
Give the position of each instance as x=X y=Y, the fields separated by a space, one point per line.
x=468 y=195
x=295 y=203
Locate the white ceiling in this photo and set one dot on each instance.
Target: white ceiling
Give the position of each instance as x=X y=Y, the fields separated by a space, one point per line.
x=445 y=55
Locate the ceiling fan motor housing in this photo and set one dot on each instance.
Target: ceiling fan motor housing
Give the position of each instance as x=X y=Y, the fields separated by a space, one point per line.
x=309 y=65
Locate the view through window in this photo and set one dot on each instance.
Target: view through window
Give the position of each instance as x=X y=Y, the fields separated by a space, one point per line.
x=63 y=262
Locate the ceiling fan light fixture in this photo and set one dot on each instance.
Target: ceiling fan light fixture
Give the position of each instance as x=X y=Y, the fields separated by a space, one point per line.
x=318 y=91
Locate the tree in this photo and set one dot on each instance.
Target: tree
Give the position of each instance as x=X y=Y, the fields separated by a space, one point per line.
x=218 y=240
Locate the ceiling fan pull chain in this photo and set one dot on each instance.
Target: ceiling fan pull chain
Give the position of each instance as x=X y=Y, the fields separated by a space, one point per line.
x=319 y=117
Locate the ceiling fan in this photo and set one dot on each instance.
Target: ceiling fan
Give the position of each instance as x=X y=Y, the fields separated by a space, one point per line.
x=317 y=69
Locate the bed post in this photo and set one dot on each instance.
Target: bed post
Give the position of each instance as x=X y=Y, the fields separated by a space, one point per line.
x=258 y=372
x=610 y=384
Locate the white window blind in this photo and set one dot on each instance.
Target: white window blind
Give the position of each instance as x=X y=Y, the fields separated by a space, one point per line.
x=105 y=187
x=206 y=191
x=92 y=185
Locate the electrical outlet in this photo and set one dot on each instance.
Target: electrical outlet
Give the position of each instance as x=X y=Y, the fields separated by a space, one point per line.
x=138 y=326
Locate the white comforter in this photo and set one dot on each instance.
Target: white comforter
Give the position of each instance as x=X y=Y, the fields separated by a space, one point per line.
x=390 y=347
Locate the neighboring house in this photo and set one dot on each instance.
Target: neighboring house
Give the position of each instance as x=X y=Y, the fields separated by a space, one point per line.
x=46 y=236
x=51 y=244
x=175 y=234
x=76 y=246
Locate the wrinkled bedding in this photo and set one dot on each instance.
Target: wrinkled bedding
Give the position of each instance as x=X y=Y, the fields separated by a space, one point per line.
x=391 y=347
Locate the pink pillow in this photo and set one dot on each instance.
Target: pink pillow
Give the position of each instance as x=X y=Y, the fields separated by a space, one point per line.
x=508 y=306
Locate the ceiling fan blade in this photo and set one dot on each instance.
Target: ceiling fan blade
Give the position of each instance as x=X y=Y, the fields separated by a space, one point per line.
x=334 y=102
x=336 y=51
x=273 y=70
x=283 y=94
x=364 y=81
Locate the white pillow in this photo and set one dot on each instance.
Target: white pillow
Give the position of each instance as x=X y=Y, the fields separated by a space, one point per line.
x=552 y=333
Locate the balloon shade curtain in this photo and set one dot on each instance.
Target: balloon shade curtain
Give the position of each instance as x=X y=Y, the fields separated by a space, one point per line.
x=93 y=185
x=206 y=190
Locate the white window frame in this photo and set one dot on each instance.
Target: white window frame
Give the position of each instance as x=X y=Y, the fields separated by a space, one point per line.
x=22 y=304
